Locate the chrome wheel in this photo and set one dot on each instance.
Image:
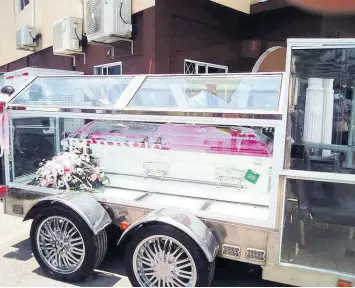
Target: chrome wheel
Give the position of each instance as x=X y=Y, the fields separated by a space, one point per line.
x=60 y=244
x=162 y=261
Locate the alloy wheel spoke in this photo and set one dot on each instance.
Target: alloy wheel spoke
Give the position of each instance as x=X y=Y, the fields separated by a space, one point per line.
x=60 y=244
x=180 y=283
x=148 y=260
x=184 y=266
x=184 y=276
x=149 y=251
x=72 y=257
x=182 y=261
x=162 y=261
x=188 y=273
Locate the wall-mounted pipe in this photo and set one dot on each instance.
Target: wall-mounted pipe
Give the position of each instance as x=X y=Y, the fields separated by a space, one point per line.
x=81 y=12
x=33 y=13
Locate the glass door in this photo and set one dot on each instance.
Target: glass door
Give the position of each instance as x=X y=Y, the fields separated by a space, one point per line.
x=319 y=214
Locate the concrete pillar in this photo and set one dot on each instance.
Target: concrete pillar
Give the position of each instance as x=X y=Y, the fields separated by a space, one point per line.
x=328 y=106
x=313 y=119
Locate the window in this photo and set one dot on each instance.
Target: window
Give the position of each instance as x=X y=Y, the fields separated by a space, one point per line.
x=256 y=92
x=195 y=67
x=2 y=80
x=73 y=91
x=108 y=69
x=322 y=114
x=22 y=4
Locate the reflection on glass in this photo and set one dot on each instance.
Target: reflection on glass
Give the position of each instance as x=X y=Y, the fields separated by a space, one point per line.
x=34 y=140
x=260 y=93
x=322 y=114
x=319 y=225
x=114 y=70
x=236 y=166
x=73 y=91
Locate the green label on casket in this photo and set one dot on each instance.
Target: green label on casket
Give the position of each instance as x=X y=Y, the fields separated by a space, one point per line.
x=251 y=176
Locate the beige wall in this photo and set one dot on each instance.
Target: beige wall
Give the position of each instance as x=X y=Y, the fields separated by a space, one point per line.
x=50 y=11
x=47 y=13
x=240 y=5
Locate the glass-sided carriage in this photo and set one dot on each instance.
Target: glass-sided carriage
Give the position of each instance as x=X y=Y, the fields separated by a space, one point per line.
x=254 y=167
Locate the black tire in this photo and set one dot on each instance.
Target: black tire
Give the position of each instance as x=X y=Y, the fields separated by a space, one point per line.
x=205 y=269
x=95 y=246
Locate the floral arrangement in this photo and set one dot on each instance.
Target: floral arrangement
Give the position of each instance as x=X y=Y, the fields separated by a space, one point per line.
x=71 y=170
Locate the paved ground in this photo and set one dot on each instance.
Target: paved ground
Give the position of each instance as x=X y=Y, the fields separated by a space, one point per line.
x=19 y=268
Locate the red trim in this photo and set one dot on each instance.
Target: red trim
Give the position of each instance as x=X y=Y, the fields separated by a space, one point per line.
x=3 y=191
x=10 y=77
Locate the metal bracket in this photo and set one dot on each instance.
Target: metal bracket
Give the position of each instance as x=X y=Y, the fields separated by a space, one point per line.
x=229 y=176
x=155 y=169
x=83 y=204
x=112 y=45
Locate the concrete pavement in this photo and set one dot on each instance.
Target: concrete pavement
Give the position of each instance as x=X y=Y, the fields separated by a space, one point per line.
x=19 y=268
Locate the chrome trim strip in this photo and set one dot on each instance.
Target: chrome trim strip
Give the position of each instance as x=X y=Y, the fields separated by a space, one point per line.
x=106 y=112
x=89 y=209
x=187 y=223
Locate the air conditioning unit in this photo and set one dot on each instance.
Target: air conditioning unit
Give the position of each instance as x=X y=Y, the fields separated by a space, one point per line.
x=108 y=21
x=25 y=38
x=67 y=35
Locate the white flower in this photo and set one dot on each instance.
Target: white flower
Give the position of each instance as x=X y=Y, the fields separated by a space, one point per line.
x=60 y=184
x=67 y=177
x=50 y=180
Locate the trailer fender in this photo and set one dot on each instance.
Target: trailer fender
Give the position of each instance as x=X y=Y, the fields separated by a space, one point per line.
x=187 y=223
x=83 y=204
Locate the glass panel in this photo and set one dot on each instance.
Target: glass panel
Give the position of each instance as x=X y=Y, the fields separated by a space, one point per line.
x=98 y=71
x=115 y=70
x=230 y=165
x=201 y=69
x=322 y=116
x=319 y=225
x=24 y=3
x=215 y=70
x=73 y=91
x=33 y=141
x=260 y=93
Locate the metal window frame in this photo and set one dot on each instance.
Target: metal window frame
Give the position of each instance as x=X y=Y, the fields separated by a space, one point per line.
x=204 y=64
x=123 y=101
x=298 y=44
x=311 y=44
x=197 y=117
x=277 y=162
x=107 y=65
x=19 y=3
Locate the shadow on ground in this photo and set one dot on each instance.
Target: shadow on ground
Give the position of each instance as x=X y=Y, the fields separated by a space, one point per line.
x=23 y=252
x=96 y=279
x=228 y=273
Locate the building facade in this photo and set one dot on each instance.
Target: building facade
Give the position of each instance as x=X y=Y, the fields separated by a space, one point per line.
x=169 y=36
x=157 y=26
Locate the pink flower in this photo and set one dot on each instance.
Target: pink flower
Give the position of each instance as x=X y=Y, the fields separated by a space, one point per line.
x=93 y=177
x=44 y=183
x=67 y=170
